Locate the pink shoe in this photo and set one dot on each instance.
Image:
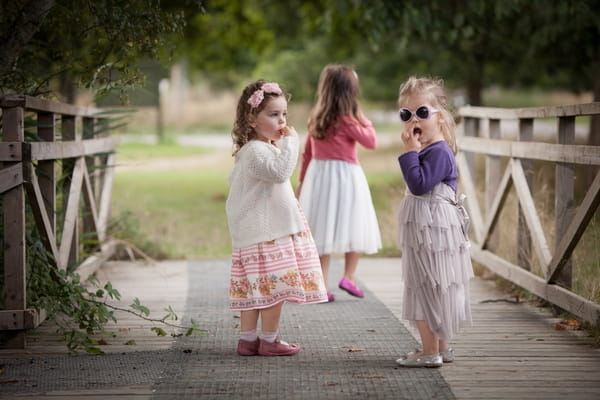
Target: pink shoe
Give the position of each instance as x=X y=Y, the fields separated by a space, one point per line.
x=352 y=289
x=246 y=348
x=278 y=348
x=330 y=297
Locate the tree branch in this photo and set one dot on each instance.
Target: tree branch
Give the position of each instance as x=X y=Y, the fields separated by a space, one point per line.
x=20 y=31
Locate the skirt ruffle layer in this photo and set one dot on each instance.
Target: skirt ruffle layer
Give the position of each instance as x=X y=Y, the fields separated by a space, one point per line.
x=436 y=261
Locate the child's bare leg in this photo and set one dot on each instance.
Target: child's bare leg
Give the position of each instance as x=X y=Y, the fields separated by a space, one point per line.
x=248 y=320
x=270 y=318
x=325 y=260
x=428 y=338
x=443 y=345
x=350 y=265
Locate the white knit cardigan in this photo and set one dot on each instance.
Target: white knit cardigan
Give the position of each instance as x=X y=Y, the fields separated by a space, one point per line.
x=261 y=205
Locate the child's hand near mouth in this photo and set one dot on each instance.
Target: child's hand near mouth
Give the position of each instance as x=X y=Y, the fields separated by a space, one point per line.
x=288 y=131
x=410 y=138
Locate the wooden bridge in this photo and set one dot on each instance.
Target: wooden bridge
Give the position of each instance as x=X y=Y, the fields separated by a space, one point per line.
x=501 y=171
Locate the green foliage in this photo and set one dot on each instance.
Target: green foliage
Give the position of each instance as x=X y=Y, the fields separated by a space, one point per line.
x=94 y=44
x=472 y=45
x=81 y=310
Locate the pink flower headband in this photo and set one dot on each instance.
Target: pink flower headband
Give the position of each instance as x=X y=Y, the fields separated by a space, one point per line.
x=259 y=94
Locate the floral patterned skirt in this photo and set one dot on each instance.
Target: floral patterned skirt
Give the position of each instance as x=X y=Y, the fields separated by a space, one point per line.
x=285 y=269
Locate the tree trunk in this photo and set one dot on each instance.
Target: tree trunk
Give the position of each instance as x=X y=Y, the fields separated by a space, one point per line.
x=594 y=138
x=66 y=88
x=474 y=88
x=594 y=135
x=20 y=30
x=474 y=78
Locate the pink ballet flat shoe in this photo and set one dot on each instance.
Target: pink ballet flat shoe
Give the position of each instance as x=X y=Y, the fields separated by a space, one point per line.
x=246 y=348
x=330 y=297
x=278 y=348
x=352 y=289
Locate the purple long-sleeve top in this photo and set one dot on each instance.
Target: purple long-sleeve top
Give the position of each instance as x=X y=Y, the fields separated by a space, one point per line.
x=424 y=169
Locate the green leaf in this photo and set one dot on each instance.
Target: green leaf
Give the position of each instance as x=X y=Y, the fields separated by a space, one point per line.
x=159 y=331
x=136 y=305
x=112 y=292
x=93 y=350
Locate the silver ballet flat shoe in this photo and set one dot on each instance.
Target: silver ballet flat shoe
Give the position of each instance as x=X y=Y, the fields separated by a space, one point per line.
x=447 y=355
x=430 y=361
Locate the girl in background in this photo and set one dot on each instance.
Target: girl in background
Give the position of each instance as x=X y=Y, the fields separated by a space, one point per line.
x=333 y=189
x=274 y=257
x=433 y=224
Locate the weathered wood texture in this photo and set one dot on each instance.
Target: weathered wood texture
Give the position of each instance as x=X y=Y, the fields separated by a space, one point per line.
x=512 y=351
x=531 y=240
x=31 y=172
x=156 y=285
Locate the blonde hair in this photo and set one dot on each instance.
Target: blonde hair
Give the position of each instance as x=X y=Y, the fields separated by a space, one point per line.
x=433 y=89
x=242 y=132
x=338 y=95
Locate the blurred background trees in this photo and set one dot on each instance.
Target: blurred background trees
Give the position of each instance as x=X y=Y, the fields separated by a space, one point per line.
x=54 y=47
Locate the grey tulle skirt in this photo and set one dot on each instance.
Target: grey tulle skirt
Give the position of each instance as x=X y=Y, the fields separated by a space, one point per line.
x=436 y=264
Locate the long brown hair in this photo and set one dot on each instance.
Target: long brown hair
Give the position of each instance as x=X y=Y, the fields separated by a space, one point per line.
x=433 y=89
x=338 y=96
x=242 y=132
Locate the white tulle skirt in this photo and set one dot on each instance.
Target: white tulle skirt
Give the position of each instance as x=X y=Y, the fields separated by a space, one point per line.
x=337 y=203
x=436 y=264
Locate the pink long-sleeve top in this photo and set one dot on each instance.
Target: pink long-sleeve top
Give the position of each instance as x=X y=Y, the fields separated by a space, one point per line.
x=339 y=145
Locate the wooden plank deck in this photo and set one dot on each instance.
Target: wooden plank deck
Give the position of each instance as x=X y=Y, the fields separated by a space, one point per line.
x=512 y=352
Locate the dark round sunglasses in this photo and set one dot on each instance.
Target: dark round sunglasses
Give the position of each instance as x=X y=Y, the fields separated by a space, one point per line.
x=422 y=112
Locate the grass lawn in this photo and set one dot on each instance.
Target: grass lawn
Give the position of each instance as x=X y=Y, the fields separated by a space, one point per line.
x=177 y=209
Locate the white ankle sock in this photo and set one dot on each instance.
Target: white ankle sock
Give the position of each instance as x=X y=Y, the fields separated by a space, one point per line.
x=249 y=336
x=269 y=336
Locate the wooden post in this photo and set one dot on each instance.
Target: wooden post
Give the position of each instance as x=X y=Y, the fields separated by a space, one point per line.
x=69 y=133
x=471 y=129
x=565 y=194
x=93 y=172
x=523 y=236
x=14 y=234
x=493 y=176
x=47 y=170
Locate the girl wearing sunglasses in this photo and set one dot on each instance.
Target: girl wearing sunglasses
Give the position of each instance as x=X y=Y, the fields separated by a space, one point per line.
x=432 y=224
x=333 y=189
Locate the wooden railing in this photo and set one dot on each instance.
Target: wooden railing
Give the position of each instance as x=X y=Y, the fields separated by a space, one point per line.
x=70 y=159
x=551 y=279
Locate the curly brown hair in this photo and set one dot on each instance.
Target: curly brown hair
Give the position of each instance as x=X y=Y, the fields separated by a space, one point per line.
x=242 y=132
x=338 y=96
